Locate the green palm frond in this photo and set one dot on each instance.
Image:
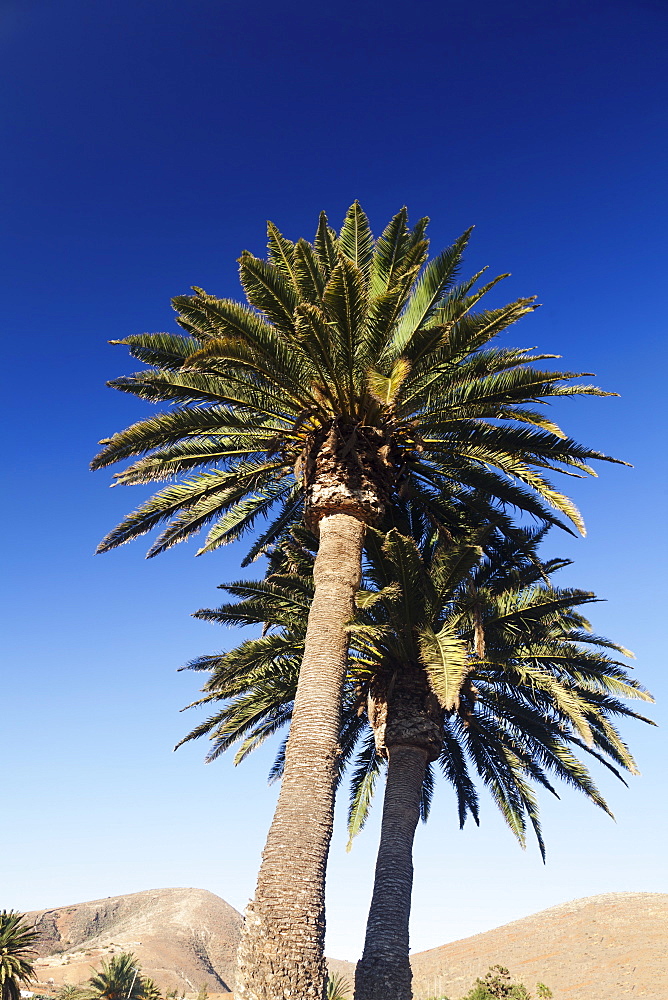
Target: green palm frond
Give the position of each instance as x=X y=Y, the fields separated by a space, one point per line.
x=391 y=248
x=434 y=281
x=356 y=240
x=325 y=246
x=164 y=350
x=406 y=568
x=150 y=989
x=338 y=988
x=267 y=289
x=473 y=330
x=446 y=659
x=427 y=793
x=309 y=275
x=454 y=764
x=345 y=302
x=282 y=254
x=194 y=502
x=242 y=517
x=363 y=780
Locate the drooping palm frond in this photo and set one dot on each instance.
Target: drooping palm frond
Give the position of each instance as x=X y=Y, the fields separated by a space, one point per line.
x=542 y=695
x=366 y=770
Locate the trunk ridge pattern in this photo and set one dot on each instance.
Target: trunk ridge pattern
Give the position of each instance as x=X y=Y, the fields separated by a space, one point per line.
x=407 y=723
x=281 y=951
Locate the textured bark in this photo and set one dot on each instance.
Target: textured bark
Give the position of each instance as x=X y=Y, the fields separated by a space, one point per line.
x=349 y=470
x=384 y=972
x=402 y=709
x=407 y=724
x=281 y=953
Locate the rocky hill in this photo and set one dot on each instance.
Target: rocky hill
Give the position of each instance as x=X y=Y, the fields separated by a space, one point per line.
x=183 y=938
x=601 y=948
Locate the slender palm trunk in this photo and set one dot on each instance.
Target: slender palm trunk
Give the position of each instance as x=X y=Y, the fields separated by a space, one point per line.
x=384 y=972
x=407 y=723
x=281 y=955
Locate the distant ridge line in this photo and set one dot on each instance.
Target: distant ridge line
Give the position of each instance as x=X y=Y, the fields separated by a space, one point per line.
x=604 y=947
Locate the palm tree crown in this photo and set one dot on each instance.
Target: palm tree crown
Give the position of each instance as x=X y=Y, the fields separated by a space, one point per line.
x=118 y=979
x=523 y=683
x=17 y=948
x=357 y=371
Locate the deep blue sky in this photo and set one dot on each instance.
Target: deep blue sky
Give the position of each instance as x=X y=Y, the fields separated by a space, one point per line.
x=145 y=145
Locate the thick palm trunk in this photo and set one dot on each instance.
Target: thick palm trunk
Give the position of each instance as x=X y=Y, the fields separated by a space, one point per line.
x=281 y=955
x=384 y=971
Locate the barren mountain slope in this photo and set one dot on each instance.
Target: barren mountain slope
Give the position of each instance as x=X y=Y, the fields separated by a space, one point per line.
x=183 y=938
x=600 y=948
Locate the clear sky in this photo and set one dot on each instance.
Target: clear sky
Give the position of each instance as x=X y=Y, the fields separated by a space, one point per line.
x=146 y=143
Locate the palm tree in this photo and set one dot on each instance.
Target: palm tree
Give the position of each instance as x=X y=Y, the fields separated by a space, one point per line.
x=358 y=372
x=118 y=979
x=513 y=712
x=493 y=666
x=70 y=991
x=17 y=942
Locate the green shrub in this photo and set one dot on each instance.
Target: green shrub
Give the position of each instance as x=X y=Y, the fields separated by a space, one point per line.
x=497 y=985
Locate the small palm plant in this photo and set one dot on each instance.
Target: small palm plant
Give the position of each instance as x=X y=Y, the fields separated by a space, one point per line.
x=71 y=991
x=17 y=942
x=151 y=990
x=118 y=979
x=338 y=988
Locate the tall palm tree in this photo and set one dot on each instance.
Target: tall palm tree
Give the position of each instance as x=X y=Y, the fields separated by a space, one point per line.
x=356 y=373
x=17 y=948
x=528 y=685
x=118 y=979
x=491 y=639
